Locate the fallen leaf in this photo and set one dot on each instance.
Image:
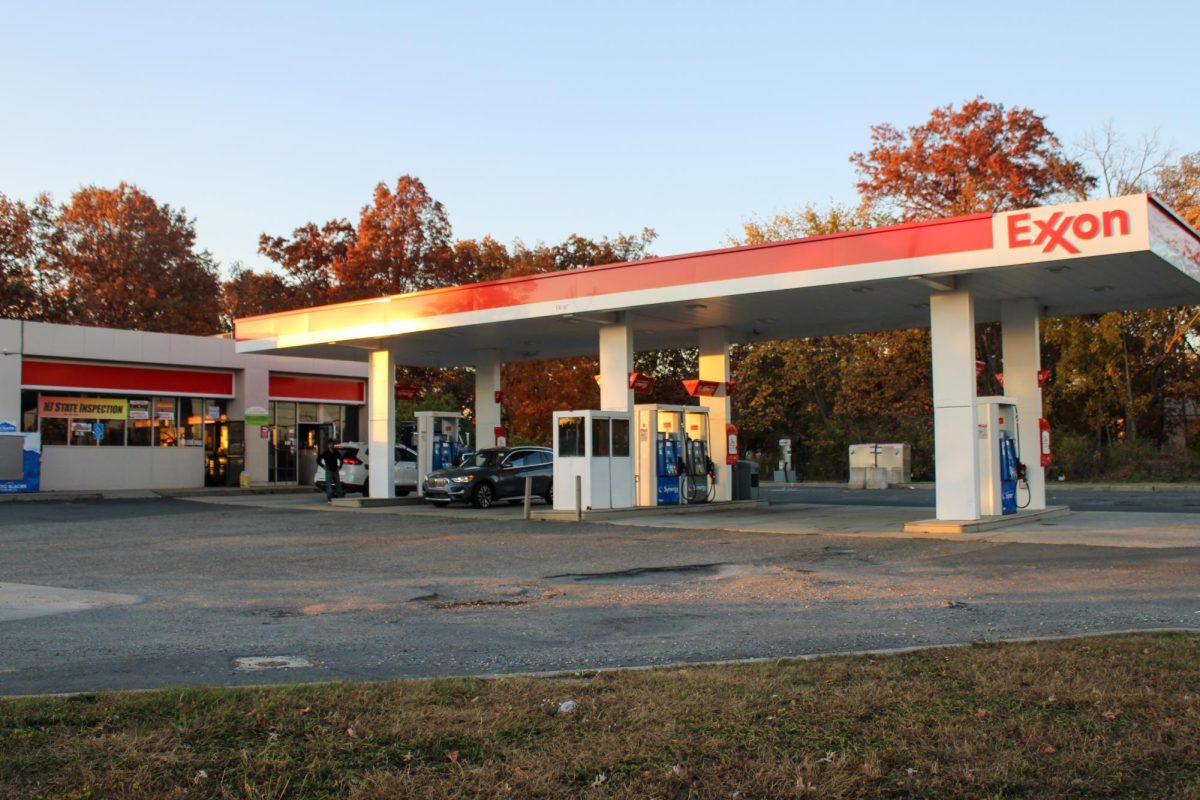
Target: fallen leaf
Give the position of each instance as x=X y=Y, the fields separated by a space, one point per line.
x=350 y=732
x=981 y=713
x=1111 y=714
x=679 y=771
x=1049 y=750
x=453 y=756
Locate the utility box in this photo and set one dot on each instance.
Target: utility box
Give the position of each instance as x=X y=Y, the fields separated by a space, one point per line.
x=745 y=481
x=895 y=459
x=593 y=446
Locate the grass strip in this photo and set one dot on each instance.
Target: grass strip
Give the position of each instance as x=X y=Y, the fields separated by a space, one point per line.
x=1106 y=717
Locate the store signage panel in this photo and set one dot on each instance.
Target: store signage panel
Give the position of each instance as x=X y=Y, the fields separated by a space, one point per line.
x=51 y=407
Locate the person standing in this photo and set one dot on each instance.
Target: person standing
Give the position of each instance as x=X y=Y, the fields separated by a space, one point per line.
x=331 y=459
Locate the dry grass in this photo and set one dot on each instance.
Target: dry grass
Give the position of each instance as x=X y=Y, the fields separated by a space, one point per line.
x=1111 y=717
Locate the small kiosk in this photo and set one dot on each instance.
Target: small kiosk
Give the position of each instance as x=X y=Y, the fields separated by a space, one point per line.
x=594 y=447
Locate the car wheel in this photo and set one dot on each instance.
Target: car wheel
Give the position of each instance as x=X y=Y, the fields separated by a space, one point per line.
x=549 y=495
x=484 y=496
x=366 y=490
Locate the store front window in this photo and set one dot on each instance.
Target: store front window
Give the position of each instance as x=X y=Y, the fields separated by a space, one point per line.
x=298 y=431
x=76 y=419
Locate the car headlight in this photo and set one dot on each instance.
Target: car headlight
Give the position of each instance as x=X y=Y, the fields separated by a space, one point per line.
x=463 y=478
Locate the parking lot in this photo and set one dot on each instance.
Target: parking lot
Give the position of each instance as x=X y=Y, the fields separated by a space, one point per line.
x=156 y=592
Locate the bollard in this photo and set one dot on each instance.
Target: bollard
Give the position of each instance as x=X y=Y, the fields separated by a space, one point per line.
x=578 y=498
x=528 y=495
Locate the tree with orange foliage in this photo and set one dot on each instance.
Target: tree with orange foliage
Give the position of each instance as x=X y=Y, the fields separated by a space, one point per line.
x=980 y=157
x=121 y=260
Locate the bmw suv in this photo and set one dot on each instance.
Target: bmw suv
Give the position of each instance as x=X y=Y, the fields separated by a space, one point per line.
x=497 y=473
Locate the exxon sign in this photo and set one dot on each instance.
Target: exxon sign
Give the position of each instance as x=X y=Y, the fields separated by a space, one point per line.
x=1094 y=228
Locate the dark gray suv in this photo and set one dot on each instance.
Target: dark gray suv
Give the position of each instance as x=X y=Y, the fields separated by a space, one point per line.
x=497 y=473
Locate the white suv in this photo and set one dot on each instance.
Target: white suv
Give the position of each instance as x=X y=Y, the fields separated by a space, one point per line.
x=355 y=462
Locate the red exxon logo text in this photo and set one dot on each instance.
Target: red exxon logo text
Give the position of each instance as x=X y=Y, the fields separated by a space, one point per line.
x=1065 y=231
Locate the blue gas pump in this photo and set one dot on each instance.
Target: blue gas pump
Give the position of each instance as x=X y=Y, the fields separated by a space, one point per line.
x=444 y=455
x=1008 y=474
x=666 y=466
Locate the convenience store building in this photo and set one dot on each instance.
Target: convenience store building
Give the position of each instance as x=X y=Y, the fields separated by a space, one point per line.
x=116 y=409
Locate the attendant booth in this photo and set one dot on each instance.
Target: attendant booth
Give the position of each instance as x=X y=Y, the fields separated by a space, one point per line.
x=593 y=447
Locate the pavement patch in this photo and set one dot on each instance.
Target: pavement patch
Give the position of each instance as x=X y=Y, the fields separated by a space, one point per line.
x=257 y=663
x=24 y=600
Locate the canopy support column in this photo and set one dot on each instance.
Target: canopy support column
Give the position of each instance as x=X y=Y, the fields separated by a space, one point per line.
x=487 y=409
x=714 y=366
x=955 y=417
x=616 y=362
x=381 y=423
x=1021 y=343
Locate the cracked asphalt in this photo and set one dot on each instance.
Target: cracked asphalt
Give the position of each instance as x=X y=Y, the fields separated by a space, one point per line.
x=377 y=596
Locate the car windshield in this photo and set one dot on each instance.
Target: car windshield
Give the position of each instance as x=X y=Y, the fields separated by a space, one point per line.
x=485 y=458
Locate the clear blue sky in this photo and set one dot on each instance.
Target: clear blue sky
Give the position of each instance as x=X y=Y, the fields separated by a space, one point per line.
x=538 y=120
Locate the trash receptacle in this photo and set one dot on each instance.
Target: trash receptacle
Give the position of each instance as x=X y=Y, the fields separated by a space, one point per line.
x=244 y=480
x=754 y=495
x=741 y=480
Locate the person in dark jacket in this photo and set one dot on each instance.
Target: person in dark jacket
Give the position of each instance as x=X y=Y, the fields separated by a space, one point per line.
x=331 y=459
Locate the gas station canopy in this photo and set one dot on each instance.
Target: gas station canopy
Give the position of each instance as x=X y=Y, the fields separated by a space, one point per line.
x=1120 y=254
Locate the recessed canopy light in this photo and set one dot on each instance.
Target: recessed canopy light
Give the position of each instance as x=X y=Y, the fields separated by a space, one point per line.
x=861 y=289
x=1059 y=268
x=919 y=306
x=696 y=306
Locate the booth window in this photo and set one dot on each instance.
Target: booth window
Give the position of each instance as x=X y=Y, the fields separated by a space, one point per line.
x=620 y=438
x=600 y=436
x=570 y=437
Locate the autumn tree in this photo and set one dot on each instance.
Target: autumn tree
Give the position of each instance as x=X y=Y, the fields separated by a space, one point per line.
x=1178 y=185
x=31 y=285
x=108 y=257
x=247 y=293
x=310 y=258
x=980 y=157
x=534 y=389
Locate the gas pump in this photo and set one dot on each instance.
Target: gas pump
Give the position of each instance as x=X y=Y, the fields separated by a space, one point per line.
x=439 y=442
x=999 y=467
x=672 y=464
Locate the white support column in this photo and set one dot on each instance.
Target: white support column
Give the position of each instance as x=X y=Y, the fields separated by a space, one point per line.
x=616 y=361
x=955 y=431
x=714 y=366
x=252 y=387
x=487 y=410
x=381 y=423
x=11 y=347
x=1021 y=343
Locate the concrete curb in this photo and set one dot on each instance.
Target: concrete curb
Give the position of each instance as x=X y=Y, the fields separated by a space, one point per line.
x=985 y=524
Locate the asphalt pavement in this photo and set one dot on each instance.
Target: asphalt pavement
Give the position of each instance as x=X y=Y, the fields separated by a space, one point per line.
x=109 y=594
